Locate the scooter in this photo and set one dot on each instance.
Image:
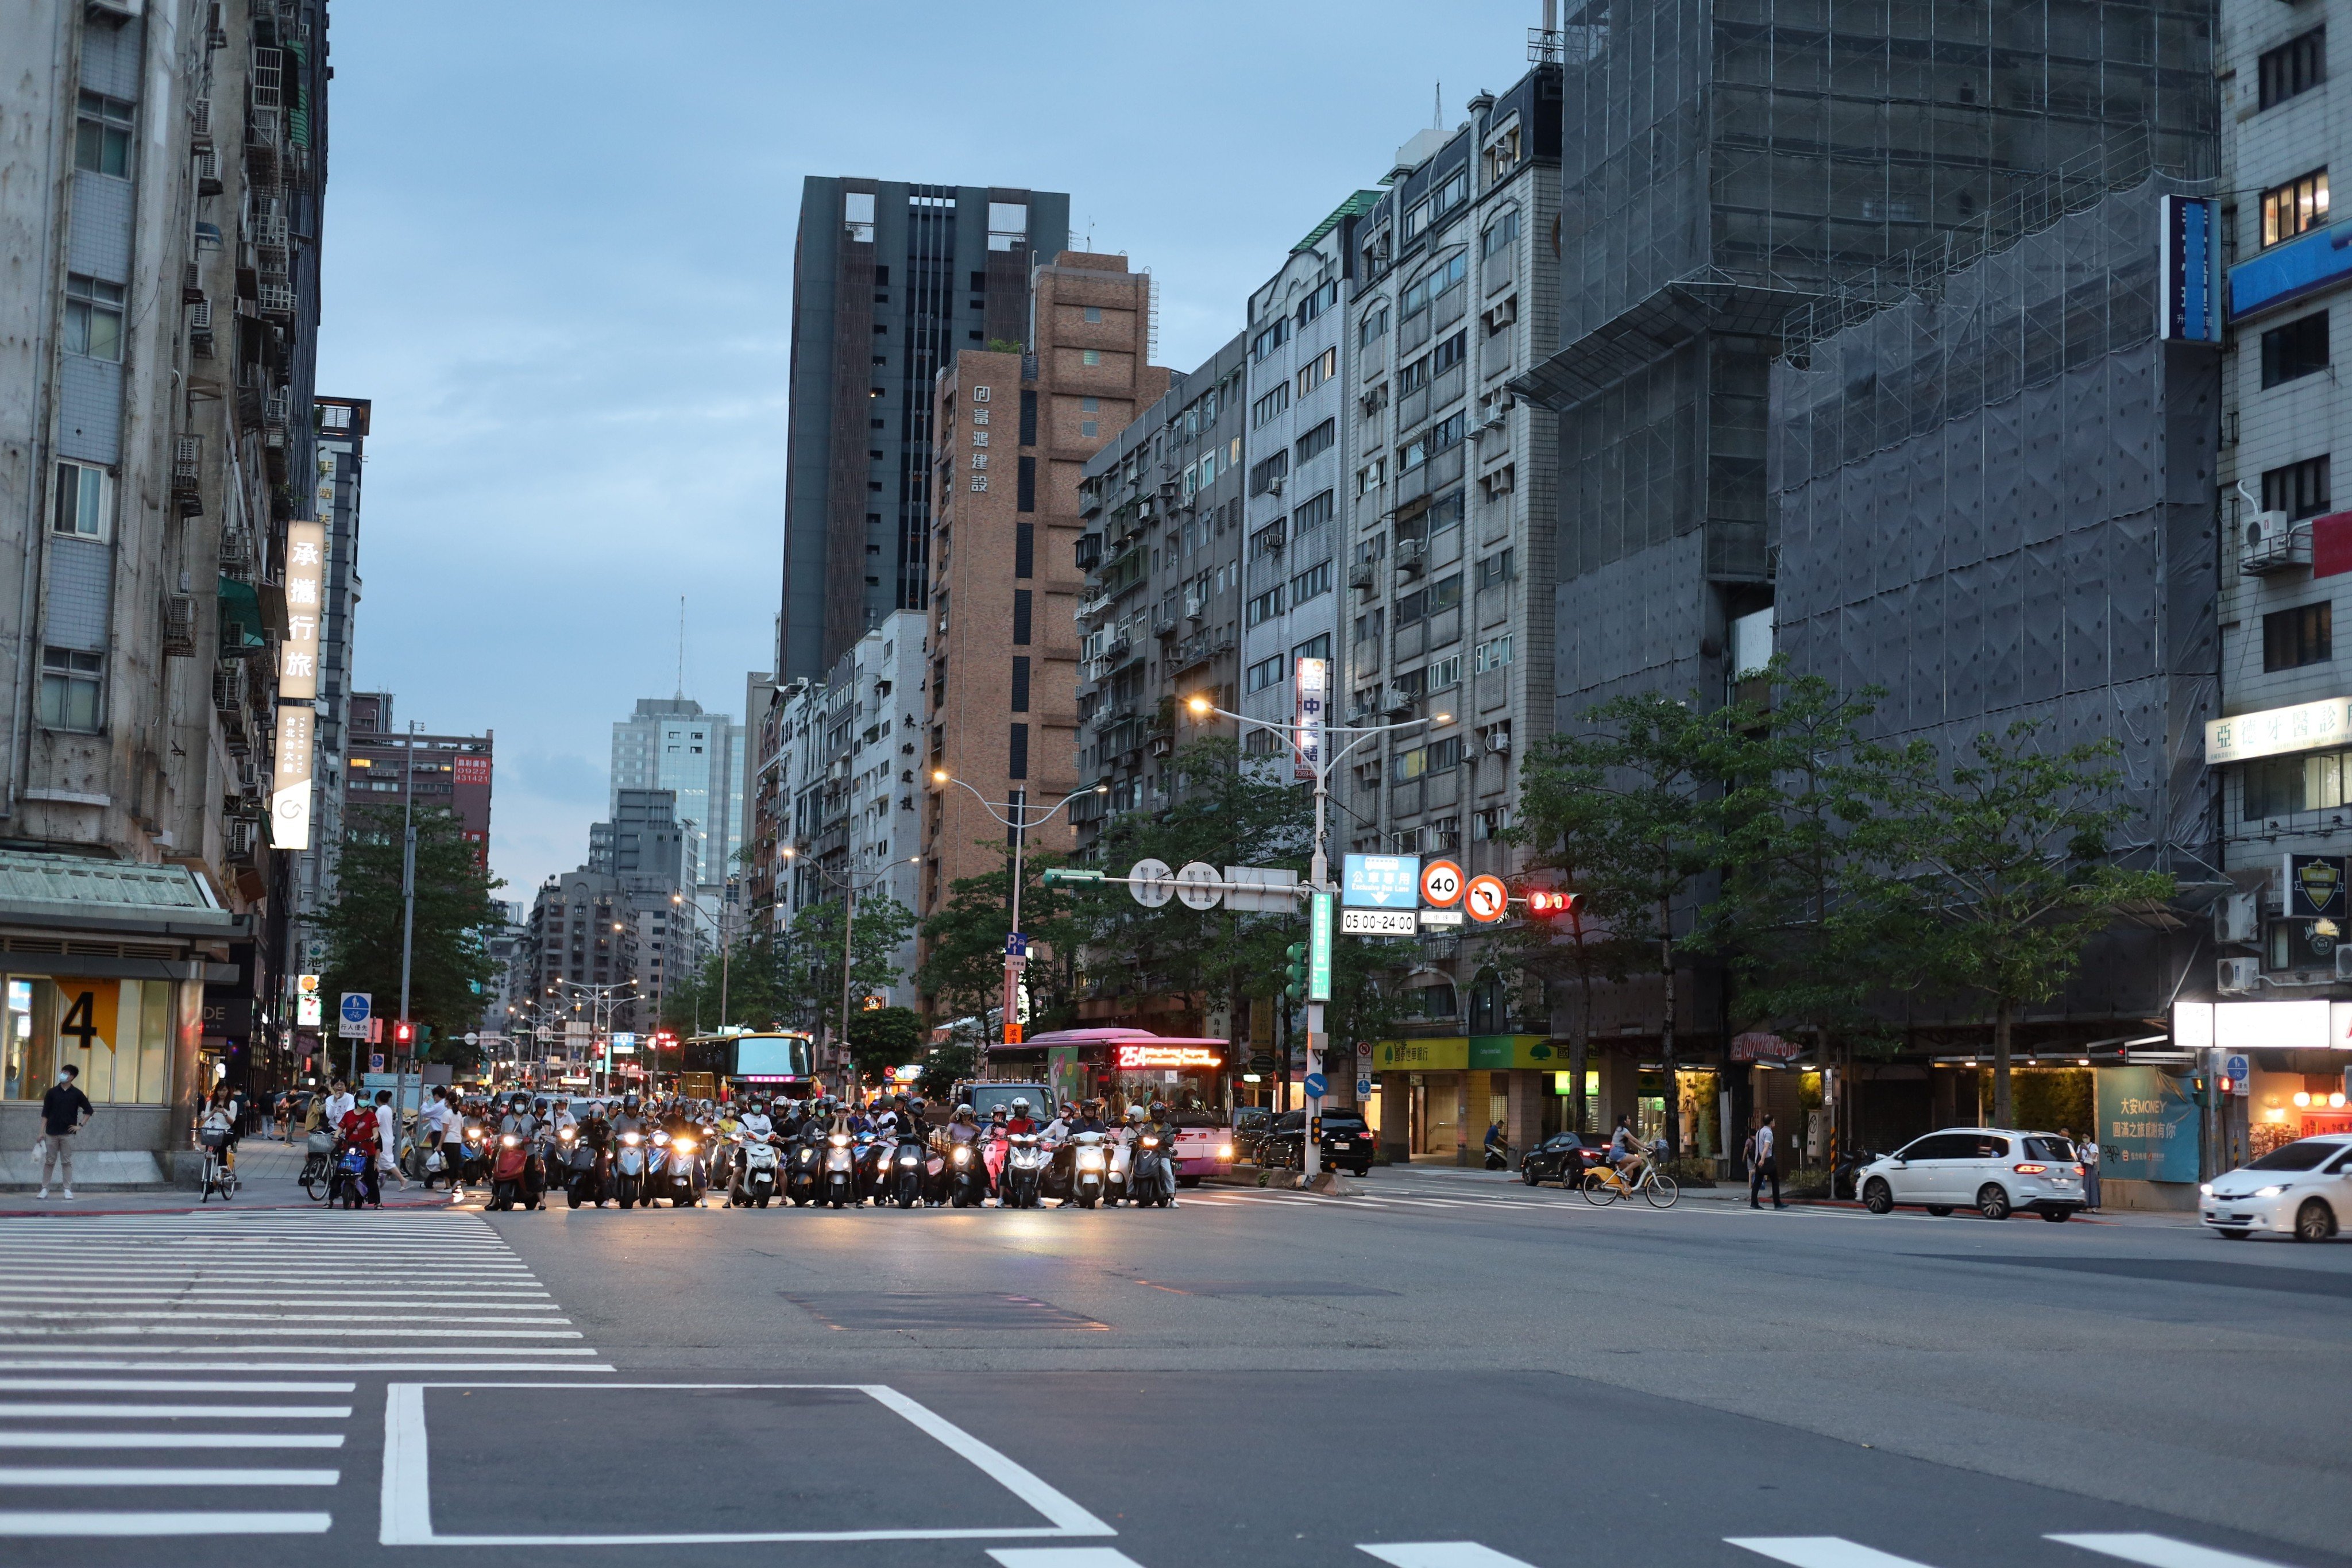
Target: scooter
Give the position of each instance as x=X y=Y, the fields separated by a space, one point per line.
x=1153 y=1178
x=905 y=1185
x=1089 y=1169
x=840 y=1185
x=967 y=1177
x=1117 y=1182
x=753 y=1168
x=510 y=1173
x=873 y=1169
x=629 y=1170
x=804 y=1175
x=674 y=1171
x=583 y=1179
x=1022 y=1184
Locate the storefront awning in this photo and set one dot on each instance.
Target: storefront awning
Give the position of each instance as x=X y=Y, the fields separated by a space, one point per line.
x=82 y=890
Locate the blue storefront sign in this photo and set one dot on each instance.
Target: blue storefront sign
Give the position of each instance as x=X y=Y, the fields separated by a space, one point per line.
x=2147 y=1126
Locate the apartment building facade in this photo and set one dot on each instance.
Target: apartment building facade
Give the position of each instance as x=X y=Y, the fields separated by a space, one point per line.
x=162 y=219
x=891 y=280
x=385 y=765
x=1015 y=432
x=1160 y=615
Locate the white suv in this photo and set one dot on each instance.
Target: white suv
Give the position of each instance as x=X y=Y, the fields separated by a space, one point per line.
x=2302 y=1189
x=1992 y=1170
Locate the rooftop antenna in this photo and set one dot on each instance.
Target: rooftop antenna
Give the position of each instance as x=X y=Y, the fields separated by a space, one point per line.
x=1437 y=107
x=681 y=647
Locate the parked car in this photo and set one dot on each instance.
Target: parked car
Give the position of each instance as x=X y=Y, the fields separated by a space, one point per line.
x=1995 y=1171
x=1250 y=1122
x=1563 y=1157
x=2302 y=1189
x=1347 y=1142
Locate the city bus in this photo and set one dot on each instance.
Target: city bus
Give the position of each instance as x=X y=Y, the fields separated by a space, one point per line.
x=776 y=1063
x=1135 y=1066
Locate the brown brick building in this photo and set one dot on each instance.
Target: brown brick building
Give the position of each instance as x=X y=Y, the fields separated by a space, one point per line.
x=1014 y=433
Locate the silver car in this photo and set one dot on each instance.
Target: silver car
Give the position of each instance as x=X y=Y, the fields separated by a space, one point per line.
x=1995 y=1171
x=2302 y=1189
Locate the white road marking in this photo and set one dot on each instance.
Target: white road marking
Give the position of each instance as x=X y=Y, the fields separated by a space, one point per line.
x=179 y=1412
x=1062 y=1557
x=1440 y=1554
x=77 y=1525
x=128 y=1330
x=1819 y=1552
x=340 y=1361
x=170 y=1440
x=155 y=1385
x=2160 y=1551
x=58 y=1476
x=111 y=1314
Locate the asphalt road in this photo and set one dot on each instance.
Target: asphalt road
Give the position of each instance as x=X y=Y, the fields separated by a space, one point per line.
x=1250 y=1378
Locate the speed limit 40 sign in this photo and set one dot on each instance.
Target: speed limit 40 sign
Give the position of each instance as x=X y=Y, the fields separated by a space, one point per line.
x=1440 y=884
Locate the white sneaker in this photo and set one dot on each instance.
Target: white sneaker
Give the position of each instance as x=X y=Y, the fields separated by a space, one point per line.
x=44 y=1193
x=68 y=1192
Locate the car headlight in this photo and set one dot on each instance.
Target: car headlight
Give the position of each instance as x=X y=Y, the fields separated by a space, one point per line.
x=2272 y=1191
x=2206 y=1188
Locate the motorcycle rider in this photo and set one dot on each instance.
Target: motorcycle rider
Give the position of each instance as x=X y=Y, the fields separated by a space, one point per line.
x=519 y=1122
x=1020 y=1121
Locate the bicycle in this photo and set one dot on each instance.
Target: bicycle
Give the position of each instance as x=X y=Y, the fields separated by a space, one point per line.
x=318 y=1177
x=219 y=1176
x=1603 y=1186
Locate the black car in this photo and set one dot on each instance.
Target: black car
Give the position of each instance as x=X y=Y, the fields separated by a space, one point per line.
x=1250 y=1123
x=1563 y=1157
x=1347 y=1143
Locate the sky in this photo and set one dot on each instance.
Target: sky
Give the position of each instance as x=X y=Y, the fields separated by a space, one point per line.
x=557 y=258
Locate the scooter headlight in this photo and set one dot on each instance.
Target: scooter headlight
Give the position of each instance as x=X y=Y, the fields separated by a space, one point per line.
x=473 y=1134
x=1090 y=1160
x=1152 y=1142
x=839 y=1140
x=906 y=1159
x=631 y=1139
x=511 y=1140
x=566 y=1135
x=685 y=1145
x=962 y=1156
x=661 y=1137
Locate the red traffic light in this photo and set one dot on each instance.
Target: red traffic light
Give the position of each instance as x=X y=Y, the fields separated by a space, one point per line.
x=1545 y=902
x=404 y=1034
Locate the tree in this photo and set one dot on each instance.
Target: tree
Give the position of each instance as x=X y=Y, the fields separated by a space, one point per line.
x=880 y=927
x=963 y=972
x=881 y=1038
x=450 y=965
x=753 y=987
x=2007 y=871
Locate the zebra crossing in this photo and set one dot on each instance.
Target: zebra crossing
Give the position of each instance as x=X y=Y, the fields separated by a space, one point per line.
x=150 y=1360
x=1798 y=1551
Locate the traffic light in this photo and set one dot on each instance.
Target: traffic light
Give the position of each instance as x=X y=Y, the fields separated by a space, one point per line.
x=1543 y=903
x=403 y=1035
x=1295 y=971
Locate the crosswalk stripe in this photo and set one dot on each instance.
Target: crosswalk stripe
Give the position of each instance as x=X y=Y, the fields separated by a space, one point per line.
x=171 y=1440
x=1440 y=1554
x=340 y=1361
x=1819 y=1552
x=62 y=1331
x=116 y=1313
x=77 y=1525
x=134 y=1476
x=26 y=1412
x=155 y=1385
x=2160 y=1551
x=1062 y=1557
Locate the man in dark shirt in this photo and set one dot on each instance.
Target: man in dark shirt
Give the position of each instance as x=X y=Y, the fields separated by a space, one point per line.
x=63 y=1110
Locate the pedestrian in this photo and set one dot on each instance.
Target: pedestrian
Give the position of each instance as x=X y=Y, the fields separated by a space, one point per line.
x=340 y=1104
x=2087 y=1151
x=387 y=1127
x=64 y=1110
x=1762 y=1164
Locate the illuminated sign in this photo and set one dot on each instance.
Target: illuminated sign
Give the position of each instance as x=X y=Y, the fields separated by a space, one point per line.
x=1142 y=1058
x=2307 y=727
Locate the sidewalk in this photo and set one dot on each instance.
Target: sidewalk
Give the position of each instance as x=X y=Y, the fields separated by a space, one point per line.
x=268 y=1172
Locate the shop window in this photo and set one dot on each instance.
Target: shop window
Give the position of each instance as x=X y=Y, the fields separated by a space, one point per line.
x=120 y=1034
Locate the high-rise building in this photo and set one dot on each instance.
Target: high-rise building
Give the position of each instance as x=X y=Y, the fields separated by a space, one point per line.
x=889 y=281
x=342 y=428
x=670 y=743
x=1015 y=432
x=161 y=218
x=384 y=762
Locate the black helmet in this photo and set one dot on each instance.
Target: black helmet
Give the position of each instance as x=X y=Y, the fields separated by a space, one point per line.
x=629 y=1101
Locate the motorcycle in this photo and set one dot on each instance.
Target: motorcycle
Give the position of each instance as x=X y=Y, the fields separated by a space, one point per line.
x=873 y=1169
x=473 y=1159
x=1023 y=1185
x=1117 y=1184
x=350 y=1180
x=629 y=1170
x=906 y=1183
x=840 y=1185
x=723 y=1155
x=674 y=1171
x=1153 y=1178
x=584 y=1170
x=753 y=1168
x=967 y=1177
x=510 y=1173
x=805 y=1177
x=1089 y=1169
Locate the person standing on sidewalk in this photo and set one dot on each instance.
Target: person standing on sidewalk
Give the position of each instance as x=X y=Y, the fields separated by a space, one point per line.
x=387 y=1148
x=64 y=1112
x=2087 y=1150
x=1761 y=1164
x=340 y=1104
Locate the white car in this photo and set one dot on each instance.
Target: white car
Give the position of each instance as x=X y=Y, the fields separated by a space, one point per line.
x=1995 y=1171
x=2302 y=1189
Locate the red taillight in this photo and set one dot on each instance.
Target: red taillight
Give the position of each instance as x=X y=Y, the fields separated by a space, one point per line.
x=2029 y=1170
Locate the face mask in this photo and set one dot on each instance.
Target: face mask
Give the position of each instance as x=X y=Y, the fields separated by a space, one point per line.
x=65 y=1078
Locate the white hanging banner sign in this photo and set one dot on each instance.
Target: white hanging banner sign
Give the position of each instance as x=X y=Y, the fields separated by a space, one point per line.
x=1313 y=677
x=305 y=573
x=289 y=795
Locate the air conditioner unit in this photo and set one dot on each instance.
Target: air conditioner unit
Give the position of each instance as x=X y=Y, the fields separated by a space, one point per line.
x=1397 y=699
x=2236 y=919
x=1274 y=486
x=2272 y=544
x=2236 y=976
x=1499 y=741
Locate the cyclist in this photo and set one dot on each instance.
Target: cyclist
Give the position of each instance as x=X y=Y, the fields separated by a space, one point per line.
x=1626 y=1153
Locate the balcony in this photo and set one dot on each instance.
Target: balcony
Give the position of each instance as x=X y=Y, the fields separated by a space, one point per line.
x=2271 y=544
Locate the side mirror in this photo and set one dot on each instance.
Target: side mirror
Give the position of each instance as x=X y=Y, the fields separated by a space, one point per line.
x=1901 y=1164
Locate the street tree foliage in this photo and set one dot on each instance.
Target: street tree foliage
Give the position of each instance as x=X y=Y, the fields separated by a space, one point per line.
x=450 y=966
x=753 y=987
x=880 y=926
x=963 y=970
x=2008 y=870
x=881 y=1038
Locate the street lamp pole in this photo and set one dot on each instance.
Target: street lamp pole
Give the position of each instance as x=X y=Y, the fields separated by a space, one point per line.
x=848 y=887
x=1319 y=876
x=1020 y=822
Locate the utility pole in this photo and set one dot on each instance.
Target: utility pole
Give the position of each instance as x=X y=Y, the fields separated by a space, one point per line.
x=407 y=882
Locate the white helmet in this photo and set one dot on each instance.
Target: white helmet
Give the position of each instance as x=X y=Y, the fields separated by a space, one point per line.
x=1021 y=1104
x=1135 y=1113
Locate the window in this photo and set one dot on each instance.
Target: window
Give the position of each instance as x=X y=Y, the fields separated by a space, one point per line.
x=1271 y=404
x=1318 y=370
x=1445 y=594
x=1500 y=567
x=2294 y=349
x=1449 y=353
x=93 y=317
x=1375 y=325
x=1412 y=378
x=1493 y=653
x=1318 y=301
x=1094 y=314
x=1494 y=487
x=1443 y=673
x=1312 y=513
x=1318 y=441
x=1452 y=193
x=1265 y=606
x=1314 y=647
x=102 y=135
x=71 y=689
x=2293 y=68
x=1416 y=219
x=1499 y=235
x=1090 y=356
x=1448 y=433
x=1273 y=338
x=1313 y=582
x=2295 y=208
x=1265 y=672
x=1439 y=281
x=2281 y=786
x=2292 y=638
x=1267 y=541
x=83 y=500
x=1368 y=625
x=1021 y=598
x=2299 y=489
x=1266 y=470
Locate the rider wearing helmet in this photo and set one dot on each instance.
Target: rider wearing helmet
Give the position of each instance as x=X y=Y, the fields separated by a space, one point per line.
x=519 y=1122
x=633 y=1117
x=1020 y=1121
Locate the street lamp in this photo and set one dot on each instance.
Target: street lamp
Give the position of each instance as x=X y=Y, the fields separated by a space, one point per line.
x=601 y=1000
x=1319 y=874
x=848 y=922
x=1019 y=822
x=719 y=934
